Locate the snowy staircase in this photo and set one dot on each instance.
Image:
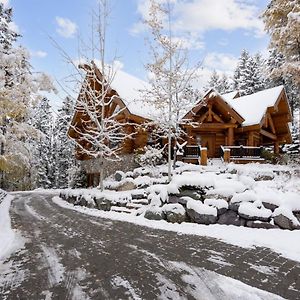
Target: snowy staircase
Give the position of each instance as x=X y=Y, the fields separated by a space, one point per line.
x=138 y=202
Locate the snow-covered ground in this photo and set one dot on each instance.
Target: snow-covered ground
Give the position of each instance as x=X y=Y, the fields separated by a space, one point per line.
x=10 y=239
x=249 y=185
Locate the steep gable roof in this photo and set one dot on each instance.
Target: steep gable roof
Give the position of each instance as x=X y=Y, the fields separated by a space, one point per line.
x=253 y=107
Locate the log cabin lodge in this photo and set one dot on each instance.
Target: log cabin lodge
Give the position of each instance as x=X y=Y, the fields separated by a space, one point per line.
x=241 y=125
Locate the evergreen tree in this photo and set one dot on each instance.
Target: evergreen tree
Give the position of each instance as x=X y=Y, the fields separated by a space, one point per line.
x=213 y=82
x=276 y=76
x=224 y=85
x=62 y=146
x=241 y=73
x=42 y=122
x=248 y=76
x=282 y=21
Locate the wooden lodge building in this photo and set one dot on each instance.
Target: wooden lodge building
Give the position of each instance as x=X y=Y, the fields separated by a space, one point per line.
x=216 y=122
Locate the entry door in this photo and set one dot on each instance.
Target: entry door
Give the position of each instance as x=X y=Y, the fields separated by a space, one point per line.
x=209 y=141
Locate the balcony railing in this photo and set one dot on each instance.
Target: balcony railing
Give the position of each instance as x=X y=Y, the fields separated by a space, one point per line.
x=242 y=151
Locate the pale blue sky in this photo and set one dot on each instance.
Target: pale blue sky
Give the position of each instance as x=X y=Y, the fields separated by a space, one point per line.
x=216 y=31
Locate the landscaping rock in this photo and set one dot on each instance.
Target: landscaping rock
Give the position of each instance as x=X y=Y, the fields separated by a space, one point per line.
x=72 y=199
x=219 y=204
x=119 y=176
x=234 y=206
x=201 y=213
x=103 y=204
x=264 y=177
x=201 y=218
x=254 y=211
x=230 y=217
x=270 y=206
x=126 y=186
x=175 y=213
x=154 y=213
x=257 y=224
x=194 y=194
x=81 y=201
x=283 y=222
x=139 y=194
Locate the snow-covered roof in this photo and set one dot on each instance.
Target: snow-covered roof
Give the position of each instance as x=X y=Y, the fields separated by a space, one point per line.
x=230 y=96
x=253 y=107
x=130 y=90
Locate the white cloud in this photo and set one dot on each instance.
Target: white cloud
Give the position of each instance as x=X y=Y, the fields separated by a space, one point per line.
x=39 y=53
x=200 y=16
x=66 y=27
x=221 y=62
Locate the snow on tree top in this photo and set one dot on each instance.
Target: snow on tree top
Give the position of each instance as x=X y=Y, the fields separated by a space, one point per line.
x=253 y=107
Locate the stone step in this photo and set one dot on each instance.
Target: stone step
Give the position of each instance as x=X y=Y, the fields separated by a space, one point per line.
x=140 y=201
x=131 y=205
x=121 y=209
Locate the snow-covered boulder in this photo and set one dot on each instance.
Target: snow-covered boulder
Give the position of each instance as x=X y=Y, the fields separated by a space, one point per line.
x=231 y=217
x=220 y=204
x=225 y=193
x=264 y=176
x=126 y=186
x=285 y=219
x=175 y=213
x=154 y=213
x=237 y=199
x=254 y=211
x=119 y=176
x=139 y=194
x=103 y=203
x=260 y=224
x=201 y=213
x=192 y=193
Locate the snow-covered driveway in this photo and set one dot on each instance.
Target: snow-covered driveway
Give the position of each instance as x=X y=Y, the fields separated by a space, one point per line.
x=69 y=255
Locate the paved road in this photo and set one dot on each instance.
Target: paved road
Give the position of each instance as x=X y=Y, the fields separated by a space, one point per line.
x=69 y=255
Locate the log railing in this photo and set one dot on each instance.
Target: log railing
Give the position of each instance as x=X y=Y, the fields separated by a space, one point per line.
x=242 y=152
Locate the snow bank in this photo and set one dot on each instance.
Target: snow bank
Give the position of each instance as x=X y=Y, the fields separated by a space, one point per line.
x=10 y=239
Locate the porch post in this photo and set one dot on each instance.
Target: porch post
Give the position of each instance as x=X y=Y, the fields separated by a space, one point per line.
x=276 y=148
x=230 y=136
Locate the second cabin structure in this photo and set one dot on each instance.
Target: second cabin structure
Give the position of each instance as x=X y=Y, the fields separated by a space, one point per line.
x=260 y=119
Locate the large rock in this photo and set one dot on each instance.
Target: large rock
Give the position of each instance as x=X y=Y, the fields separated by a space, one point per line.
x=175 y=213
x=81 y=201
x=283 y=222
x=126 y=186
x=103 y=204
x=119 y=176
x=254 y=211
x=230 y=217
x=270 y=206
x=201 y=218
x=192 y=193
x=154 y=213
x=258 y=224
x=220 y=204
x=201 y=213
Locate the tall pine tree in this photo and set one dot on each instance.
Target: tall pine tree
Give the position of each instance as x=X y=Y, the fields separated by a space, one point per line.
x=42 y=122
x=62 y=146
